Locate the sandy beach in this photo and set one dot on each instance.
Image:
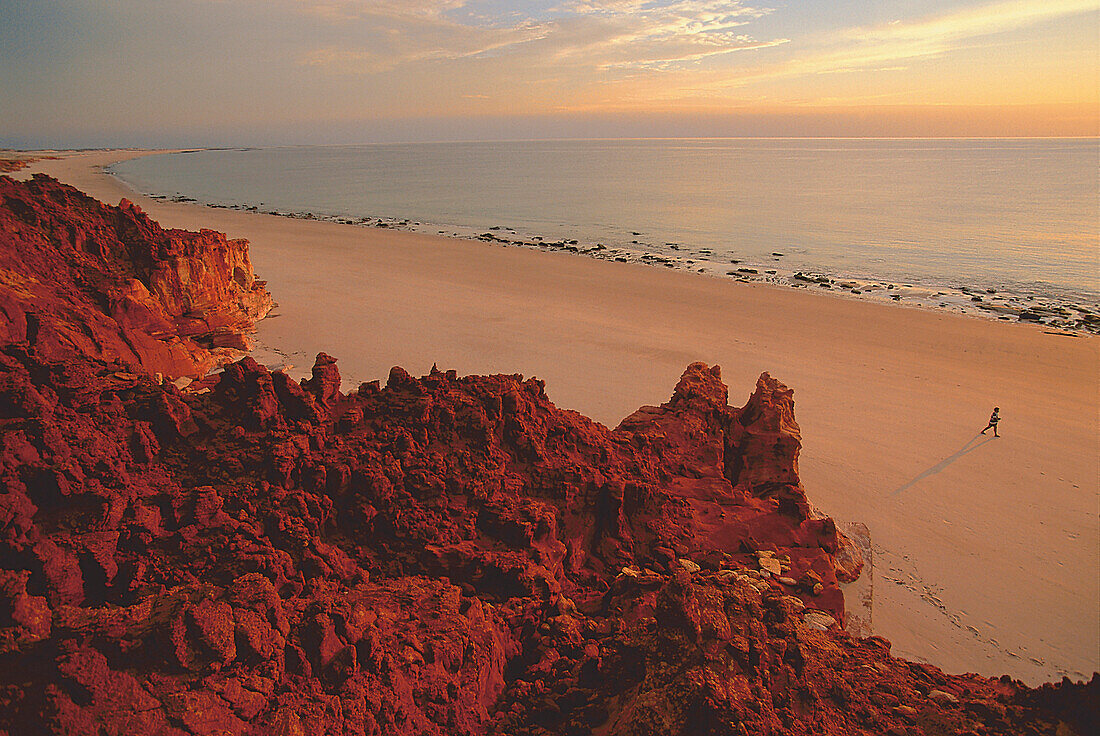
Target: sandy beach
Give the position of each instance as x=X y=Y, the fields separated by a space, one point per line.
x=986 y=551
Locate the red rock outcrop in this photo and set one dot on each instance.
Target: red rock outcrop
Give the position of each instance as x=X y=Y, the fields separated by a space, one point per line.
x=9 y=165
x=22 y=161
x=442 y=555
x=77 y=276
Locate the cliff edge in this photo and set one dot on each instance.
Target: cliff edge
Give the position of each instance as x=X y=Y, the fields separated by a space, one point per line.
x=80 y=277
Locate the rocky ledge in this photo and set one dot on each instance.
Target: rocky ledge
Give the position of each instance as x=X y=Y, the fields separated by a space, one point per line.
x=78 y=277
x=439 y=555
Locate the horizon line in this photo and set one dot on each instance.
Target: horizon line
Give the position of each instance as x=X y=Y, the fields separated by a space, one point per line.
x=186 y=149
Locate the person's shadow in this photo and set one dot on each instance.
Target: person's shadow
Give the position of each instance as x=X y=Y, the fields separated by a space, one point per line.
x=968 y=447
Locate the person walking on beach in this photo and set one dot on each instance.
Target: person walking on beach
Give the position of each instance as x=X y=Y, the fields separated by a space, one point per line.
x=993 y=419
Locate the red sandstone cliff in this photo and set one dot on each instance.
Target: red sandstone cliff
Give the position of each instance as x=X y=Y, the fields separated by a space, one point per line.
x=442 y=555
x=79 y=277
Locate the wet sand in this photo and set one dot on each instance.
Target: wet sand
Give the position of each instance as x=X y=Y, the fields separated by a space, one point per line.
x=987 y=551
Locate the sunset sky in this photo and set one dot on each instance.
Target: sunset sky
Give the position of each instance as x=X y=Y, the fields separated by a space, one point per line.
x=233 y=72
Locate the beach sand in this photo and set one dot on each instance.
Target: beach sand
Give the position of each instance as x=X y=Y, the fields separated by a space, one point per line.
x=986 y=551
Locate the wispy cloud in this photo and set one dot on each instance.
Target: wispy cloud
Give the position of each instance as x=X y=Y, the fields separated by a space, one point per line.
x=972 y=22
x=620 y=35
x=898 y=44
x=380 y=35
x=661 y=36
x=344 y=10
x=884 y=46
x=683 y=57
x=650 y=54
x=392 y=50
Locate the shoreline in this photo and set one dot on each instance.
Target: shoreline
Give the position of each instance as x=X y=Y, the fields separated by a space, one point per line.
x=1067 y=312
x=885 y=397
x=955 y=300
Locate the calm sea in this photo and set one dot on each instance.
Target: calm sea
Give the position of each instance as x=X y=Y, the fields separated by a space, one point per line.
x=1016 y=216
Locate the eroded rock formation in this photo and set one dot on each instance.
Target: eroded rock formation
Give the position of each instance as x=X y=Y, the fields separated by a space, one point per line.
x=80 y=277
x=439 y=555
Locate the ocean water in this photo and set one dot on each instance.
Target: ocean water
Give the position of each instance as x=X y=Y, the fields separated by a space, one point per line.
x=1015 y=222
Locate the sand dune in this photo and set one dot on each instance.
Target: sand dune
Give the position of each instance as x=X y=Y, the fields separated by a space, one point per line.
x=987 y=551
